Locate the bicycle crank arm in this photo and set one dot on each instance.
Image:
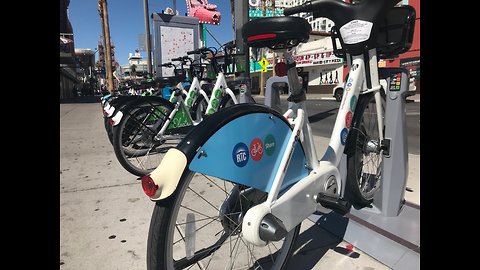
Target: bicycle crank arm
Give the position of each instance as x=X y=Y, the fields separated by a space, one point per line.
x=163 y=181
x=293 y=207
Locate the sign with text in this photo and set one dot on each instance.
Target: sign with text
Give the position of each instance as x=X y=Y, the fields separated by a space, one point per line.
x=325 y=58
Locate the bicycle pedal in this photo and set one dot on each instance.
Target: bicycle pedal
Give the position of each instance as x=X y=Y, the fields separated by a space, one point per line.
x=335 y=203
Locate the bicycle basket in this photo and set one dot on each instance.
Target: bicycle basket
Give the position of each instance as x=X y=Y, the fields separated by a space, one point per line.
x=196 y=70
x=179 y=74
x=396 y=32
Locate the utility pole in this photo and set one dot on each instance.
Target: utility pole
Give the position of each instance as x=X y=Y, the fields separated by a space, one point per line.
x=274 y=60
x=147 y=37
x=108 y=51
x=104 y=41
x=262 y=54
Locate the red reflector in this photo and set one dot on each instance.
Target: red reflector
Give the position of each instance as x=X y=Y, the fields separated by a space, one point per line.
x=111 y=121
x=263 y=36
x=149 y=187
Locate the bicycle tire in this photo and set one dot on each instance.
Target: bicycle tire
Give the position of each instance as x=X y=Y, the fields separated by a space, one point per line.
x=199 y=108
x=119 y=102
x=364 y=154
x=203 y=196
x=108 y=129
x=227 y=101
x=164 y=250
x=133 y=138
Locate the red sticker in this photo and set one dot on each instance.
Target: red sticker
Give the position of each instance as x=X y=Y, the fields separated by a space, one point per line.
x=256 y=149
x=348 y=120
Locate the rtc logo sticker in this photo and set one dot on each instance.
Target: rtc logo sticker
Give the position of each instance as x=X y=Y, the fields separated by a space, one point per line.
x=240 y=154
x=256 y=149
x=270 y=144
x=348 y=119
x=343 y=136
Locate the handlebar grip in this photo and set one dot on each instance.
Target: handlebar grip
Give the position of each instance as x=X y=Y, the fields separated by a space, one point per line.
x=306 y=7
x=177 y=59
x=193 y=52
x=166 y=64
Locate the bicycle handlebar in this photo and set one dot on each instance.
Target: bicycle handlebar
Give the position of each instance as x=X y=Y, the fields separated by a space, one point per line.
x=202 y=50
x=169 y=64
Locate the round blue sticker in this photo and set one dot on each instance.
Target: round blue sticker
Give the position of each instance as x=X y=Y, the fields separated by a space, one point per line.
x=343 y=136
x=240 y=154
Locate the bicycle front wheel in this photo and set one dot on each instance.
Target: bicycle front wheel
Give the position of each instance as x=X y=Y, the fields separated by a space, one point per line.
x=364 y=153
x=199 y=227
x=134 y=141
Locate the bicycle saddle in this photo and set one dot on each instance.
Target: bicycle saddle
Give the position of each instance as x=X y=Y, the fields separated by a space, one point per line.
x=276 y=32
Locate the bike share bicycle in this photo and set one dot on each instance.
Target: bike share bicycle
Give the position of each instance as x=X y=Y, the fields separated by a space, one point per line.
x=149 y=127
x=218 y=206
x=114 y=103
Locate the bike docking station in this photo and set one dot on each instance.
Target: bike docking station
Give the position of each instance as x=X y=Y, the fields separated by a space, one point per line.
x=388 y=230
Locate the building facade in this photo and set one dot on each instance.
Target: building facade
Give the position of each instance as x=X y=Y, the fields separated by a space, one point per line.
x=85 y=69
x=319 y=68
x=136 y=68
x=68 y=74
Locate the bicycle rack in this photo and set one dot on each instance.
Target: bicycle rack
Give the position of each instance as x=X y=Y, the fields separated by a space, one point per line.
x=272 y=94
x=390 y=230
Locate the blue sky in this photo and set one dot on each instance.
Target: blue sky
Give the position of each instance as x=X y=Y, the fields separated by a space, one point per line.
x=126 y=19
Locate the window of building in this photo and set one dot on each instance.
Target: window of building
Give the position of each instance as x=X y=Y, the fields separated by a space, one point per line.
x=323 y=25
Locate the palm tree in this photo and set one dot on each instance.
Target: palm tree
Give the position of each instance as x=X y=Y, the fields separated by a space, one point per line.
x=232 y=11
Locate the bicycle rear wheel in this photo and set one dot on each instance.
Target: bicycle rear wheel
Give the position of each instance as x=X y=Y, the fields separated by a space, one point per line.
x=364 y=153
x=199 y=227
x=134 y=142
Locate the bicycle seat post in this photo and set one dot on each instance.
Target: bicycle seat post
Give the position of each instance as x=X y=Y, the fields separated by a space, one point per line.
x=297 y=92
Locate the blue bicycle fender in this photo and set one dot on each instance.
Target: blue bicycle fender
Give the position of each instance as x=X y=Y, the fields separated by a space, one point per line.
x=248 y=150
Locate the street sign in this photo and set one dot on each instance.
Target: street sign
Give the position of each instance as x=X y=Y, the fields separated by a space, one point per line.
x=263 y=63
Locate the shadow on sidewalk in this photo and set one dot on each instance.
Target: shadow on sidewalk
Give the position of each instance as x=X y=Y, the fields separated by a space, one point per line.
x=82 y=99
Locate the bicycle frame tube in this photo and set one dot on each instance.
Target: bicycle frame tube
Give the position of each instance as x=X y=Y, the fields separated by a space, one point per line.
x=218 y=92
x=179 y=103
x=321 y=170
x=353 y=87
x=192 y=93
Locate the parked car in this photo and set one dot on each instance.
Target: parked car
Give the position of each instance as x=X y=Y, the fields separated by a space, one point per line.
x=337 y=91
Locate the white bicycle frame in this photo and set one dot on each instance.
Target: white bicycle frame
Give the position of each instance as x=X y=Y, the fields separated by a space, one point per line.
x=219 y=90
x=191 y=96
x=299 y=202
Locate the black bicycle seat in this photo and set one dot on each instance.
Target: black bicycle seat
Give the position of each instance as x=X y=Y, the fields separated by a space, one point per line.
x=276 y=32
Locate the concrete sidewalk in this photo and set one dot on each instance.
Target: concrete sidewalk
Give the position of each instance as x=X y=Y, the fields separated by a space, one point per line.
x=105 y=216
